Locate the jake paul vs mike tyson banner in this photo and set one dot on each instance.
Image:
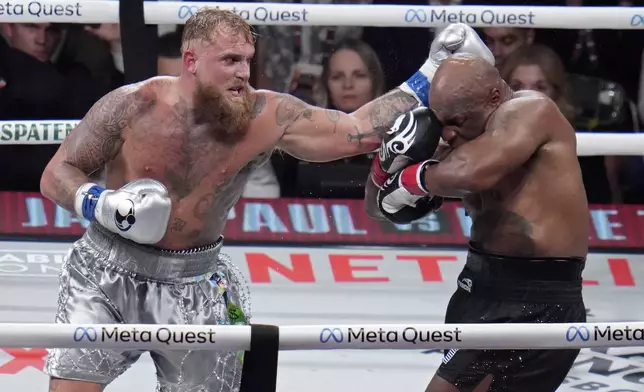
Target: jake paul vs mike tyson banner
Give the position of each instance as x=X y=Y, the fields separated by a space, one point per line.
x=313 y=221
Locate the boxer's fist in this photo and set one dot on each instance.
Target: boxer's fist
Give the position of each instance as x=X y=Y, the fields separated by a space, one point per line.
x=139 y=211
x=455 y=38
x=403 y=198
x=458 y=38
x=412 y=138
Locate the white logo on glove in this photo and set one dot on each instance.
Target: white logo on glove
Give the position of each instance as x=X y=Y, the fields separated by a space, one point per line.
x=402 y=141
x=124 y=215
x=390 y=180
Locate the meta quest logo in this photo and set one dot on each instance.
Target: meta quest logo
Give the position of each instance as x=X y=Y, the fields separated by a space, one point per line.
x=582 y=333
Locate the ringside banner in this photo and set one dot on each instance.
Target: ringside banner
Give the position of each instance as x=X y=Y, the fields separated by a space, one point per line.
x=313 y=221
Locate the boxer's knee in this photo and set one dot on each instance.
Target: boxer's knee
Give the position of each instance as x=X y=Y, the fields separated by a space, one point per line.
x=439 y=384
x=484 y=385
x=63 y=385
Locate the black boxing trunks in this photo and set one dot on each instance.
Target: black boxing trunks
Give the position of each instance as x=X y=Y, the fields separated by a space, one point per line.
x=505 y=289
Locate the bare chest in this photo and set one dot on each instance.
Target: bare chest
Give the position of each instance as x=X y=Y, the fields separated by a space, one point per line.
x=187 y=158
x=501 y=198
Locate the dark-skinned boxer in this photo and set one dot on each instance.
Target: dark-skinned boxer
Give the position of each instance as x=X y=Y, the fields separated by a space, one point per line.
x=513 y=162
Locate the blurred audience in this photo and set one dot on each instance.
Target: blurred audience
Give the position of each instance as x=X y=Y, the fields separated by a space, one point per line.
x=169 y=59
x=39 y=82
x=57 y=71
x=537 y=67
x=502 y=41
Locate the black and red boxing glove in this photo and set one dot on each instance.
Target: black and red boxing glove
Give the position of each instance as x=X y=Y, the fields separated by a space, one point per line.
x=412 y=138
x=403 y=198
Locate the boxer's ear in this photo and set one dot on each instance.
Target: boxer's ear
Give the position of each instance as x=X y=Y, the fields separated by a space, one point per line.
x=189 y=59
x=495 y=97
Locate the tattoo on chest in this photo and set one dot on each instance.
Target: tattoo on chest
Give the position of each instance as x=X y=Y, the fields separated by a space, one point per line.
x=212 y=208
x=203 y=206
x=193 y=158
x=178 y=225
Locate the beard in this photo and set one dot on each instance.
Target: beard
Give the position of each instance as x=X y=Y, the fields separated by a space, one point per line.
x=227 y=118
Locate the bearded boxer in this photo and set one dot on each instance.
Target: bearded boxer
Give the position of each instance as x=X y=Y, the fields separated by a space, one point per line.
x=513 y=161
x=177 y=152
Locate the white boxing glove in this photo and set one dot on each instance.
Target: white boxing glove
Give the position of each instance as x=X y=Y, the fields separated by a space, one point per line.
x=456 y=38
x=139 y=211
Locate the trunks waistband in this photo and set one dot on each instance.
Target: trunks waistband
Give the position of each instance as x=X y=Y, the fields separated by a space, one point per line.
x=150 y=262
x=509 y=278
x=530 y=268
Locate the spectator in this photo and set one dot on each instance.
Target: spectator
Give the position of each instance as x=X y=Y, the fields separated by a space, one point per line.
x=99 y=48
x=537 y=67
x=351 y=77
x=39 y=84
x=502 y=41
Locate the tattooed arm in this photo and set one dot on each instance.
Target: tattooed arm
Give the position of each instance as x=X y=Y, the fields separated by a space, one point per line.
x=320 y=135
x=94 y=142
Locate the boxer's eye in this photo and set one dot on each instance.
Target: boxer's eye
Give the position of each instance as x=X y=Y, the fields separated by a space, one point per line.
x=455 y=121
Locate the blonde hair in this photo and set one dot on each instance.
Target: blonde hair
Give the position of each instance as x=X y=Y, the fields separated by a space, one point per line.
x=551 y=66
x=208 y=22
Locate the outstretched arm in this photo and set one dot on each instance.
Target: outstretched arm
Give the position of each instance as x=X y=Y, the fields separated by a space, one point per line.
x=94 y=142
x=320 y=135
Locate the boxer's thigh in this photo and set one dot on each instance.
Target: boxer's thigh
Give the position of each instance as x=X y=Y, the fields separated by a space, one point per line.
x=82 y=300
x=220 y=301
x=512 y=370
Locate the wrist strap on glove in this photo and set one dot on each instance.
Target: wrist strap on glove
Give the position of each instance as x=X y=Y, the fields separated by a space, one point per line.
x=412 y=178
x=88 y=196
x=378 y=175
x=418 y=86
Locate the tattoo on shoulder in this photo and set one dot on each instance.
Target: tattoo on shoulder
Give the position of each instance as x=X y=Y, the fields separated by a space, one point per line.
x=387 y=108
x=97 y=138
x=290 y=110
x=258 y=105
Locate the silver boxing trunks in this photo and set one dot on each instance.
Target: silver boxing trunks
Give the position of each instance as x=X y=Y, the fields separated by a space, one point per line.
x=107 y=279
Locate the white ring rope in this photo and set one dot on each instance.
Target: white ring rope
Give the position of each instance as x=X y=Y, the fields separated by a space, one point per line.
x=54 y=131
x=93 y=11
x=325 y=337
x=100 y=11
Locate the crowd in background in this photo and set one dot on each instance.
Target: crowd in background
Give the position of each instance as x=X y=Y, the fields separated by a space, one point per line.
x=56 y=71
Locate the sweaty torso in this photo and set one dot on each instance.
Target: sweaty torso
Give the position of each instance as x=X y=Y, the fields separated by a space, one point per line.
x=204 y=177
x=540 y=209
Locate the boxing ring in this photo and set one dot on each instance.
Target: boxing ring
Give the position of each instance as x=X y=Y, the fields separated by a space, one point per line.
x=329 y=334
